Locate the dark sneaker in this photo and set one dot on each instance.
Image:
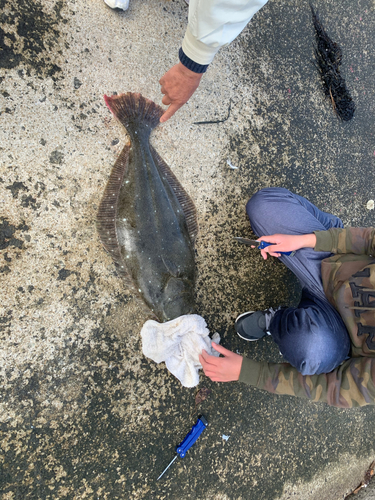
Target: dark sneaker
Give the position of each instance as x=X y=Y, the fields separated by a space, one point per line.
x=253 y=325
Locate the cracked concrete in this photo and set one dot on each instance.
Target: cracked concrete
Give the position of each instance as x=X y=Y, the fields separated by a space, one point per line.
x=83 y=414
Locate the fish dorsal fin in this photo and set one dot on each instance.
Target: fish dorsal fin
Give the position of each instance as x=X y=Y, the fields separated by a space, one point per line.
x=127 y=108
x=106 y=224
x=106 y=216
x=184 y=199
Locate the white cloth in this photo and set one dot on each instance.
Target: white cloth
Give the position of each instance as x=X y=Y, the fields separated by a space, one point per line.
x=117 y=4
x=215 y=23
x=179 y=343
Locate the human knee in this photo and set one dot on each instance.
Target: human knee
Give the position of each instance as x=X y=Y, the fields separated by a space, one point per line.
x=255 y=207
x=261 y=205
x=254 y=202
x=320 y=352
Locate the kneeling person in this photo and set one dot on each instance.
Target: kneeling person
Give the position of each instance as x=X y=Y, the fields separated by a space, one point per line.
x=335 y=318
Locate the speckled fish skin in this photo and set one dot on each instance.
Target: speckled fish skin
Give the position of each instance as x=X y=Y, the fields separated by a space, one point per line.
x=154 y=220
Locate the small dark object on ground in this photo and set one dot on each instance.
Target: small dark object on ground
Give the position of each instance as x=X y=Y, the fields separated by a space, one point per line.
x=216 y=121
x=201 y=395
x=328 y=56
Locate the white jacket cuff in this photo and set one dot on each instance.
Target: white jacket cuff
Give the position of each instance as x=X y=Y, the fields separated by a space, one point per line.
x=214 y=24
x=196 y=50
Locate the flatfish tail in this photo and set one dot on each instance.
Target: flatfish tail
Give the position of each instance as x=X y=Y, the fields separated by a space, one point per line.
x=106 y=216
x=133 y=108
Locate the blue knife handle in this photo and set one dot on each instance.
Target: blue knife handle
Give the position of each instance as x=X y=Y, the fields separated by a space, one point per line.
x=193 y=435
x=264 y=244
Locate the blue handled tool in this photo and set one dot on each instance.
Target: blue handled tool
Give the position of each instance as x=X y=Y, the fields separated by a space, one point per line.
x=259 y=244
x=189 y=440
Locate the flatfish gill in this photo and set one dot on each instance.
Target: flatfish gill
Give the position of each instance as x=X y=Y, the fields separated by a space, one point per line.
x=146 y=220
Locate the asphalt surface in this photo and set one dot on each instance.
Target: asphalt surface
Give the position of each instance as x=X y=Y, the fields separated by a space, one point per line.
x=84 y=414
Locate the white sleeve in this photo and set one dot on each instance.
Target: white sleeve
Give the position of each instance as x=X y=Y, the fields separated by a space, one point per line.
x=215 y=23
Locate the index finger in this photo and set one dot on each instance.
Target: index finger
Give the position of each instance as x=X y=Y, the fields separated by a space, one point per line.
x=219 y=348
x=271 y=238
x=170 y=112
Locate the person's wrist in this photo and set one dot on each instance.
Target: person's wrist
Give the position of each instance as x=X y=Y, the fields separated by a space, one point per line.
x=238 y=367
x=190 y=64
x=187 y=73
x=310 y=240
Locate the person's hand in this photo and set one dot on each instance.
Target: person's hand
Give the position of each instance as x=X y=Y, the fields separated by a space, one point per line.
x=178 y=85
x=226 y=369
x=287 y=243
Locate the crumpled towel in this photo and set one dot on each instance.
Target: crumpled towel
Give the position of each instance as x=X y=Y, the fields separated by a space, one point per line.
x=179 y=343
x=117 y=4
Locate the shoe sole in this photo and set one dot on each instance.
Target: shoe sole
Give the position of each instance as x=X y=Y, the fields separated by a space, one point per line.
x=244 y=338
x=248 y=340
x=240 y=316
x=244 y=314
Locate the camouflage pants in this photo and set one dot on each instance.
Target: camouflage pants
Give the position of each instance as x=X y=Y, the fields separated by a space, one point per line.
x=312 y=337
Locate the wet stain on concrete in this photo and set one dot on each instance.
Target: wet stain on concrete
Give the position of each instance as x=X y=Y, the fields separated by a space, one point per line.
x=16 y=187
x=7 y=235
x=56 y=157
x=29 y=35
x=101 y=404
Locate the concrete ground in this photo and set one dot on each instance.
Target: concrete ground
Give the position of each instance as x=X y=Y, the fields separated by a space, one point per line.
x=84 y=415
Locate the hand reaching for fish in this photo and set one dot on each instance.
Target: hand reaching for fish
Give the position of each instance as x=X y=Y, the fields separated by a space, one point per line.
x=178 y=85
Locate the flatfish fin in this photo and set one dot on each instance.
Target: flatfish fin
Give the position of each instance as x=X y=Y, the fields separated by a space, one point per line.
x=134 y=110
x=106 y=216
x=106 y=223
x=184 y=199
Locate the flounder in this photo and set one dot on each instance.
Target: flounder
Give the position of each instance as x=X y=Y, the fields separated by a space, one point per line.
x=146 y=220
